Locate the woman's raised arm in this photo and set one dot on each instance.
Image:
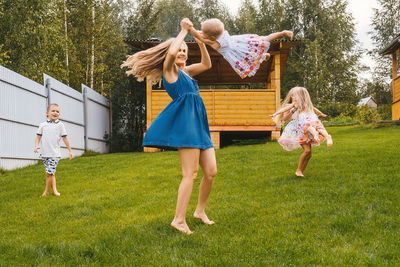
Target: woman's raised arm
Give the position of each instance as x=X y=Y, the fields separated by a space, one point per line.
x=169 y=69
x=205 y=63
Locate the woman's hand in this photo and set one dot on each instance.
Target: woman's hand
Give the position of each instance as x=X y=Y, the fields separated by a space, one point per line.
x=198 y=41
x=186 y=24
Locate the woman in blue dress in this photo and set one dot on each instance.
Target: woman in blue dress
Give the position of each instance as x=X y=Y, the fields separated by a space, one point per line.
x=183 y=123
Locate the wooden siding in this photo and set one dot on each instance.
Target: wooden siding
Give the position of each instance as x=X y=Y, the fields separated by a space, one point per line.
x=226 y=107
x=396 y=111
x=396 y=89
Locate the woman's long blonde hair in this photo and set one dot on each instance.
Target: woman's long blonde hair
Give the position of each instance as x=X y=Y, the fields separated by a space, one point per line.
x=304 y=103
x=148 y=63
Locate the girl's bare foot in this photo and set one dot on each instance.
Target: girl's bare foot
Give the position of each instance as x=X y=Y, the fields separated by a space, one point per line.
x=299 y=174
x=56 y=193
x=289 y=34
x=329 y=141
x=267 y=56
x=182 y=227
x=45 y=194
x=203 y=217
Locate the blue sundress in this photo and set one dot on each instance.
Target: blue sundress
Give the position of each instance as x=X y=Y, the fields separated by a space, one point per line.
x=183 y=123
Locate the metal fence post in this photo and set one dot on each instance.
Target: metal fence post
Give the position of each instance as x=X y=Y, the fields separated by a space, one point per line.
x=48 y=88
x=85 y=115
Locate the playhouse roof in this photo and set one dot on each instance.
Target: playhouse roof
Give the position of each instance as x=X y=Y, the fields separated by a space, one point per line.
x=393 y=46
x=365 y=100
x=221 y=72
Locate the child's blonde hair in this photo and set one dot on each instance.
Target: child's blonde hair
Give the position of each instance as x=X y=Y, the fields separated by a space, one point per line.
x=212 y=27
x=304 y=103
x=148 y=63
x=52 y=104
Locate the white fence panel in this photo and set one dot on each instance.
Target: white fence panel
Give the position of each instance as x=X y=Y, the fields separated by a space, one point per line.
x=23 y=105
x=96 y=106
x=22 y=109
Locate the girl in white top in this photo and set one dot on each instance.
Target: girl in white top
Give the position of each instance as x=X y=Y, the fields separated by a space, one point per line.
x=244 y=52
x=303 y=128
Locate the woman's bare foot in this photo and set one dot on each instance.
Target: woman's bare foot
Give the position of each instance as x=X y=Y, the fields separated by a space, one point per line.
x=56 y=193
x=45 y=194
x=267 y=56
x=182 y=227
x=289 y=34
x=203 y=217
x=299 y=174
x=329 y=141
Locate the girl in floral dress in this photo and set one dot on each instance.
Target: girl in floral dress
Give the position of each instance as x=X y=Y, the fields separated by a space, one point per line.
x=245 y=52
x=303 y=128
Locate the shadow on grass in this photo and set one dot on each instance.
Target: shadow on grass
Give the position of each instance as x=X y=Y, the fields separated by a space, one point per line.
x=249 y=142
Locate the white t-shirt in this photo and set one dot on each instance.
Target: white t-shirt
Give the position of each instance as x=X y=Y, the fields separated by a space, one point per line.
x=51 y=132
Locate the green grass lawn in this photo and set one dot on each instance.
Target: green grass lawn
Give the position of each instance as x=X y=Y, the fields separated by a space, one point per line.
x=116 y=209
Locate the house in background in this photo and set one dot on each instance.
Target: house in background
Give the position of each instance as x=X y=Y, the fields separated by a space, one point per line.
x=369 y=101
x=394 y=49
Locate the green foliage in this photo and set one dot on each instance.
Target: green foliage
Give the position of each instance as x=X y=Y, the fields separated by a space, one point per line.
x=142 y=23
x=326 y=61
x=378 y=89
x=129 y=116
x=3 y=56
x=366 y=114
x=343 y=112
x=115 y=209
x=170 y=16
x=29 y=34
x=385 y=111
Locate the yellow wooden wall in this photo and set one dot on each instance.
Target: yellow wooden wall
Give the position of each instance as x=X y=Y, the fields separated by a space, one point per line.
x=227 y=107
x=396 y=111
x=396 y=88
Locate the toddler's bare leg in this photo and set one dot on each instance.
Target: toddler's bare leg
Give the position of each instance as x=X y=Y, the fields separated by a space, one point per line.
x=314 y=133
x=328 y=137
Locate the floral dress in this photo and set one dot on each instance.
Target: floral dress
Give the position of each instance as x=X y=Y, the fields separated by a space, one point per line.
x=244 y=53
x=297 y=132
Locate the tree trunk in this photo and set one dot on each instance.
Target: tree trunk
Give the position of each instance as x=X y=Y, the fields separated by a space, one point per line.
x=92 y=48
x=66 y=40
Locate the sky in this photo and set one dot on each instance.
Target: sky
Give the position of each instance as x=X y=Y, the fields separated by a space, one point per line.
x=362 y=11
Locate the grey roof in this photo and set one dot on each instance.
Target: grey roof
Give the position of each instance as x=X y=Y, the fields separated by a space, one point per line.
x=393 y=46
x=364 y=101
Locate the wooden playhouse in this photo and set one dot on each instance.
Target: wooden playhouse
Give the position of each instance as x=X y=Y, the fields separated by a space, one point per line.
x=394 y=49
x=228 y=109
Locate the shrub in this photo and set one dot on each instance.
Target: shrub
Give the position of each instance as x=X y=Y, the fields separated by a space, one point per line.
x=366 y=114
x=385 y=111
